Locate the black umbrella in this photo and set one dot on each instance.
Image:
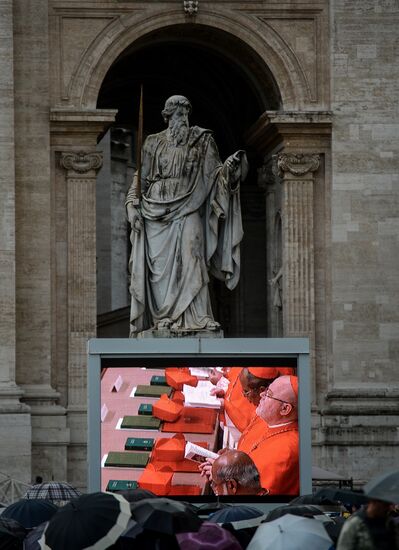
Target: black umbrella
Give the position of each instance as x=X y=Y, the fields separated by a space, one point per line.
x=342 y=495
x=95 y=519
x=13 y=526
x=334 y=527
x=167 y=516
x=304 y=510
x=134 y=495
x=312 y=499
x=30 y=513
x=9 y=540
x=384 y=487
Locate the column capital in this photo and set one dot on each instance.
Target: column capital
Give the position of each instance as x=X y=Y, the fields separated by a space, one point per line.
x=297 y=164
x=81 y=162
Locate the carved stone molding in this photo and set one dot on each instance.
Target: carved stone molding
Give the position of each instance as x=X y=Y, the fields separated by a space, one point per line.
x=297 y=164
x=81 y=162
x=190 y=7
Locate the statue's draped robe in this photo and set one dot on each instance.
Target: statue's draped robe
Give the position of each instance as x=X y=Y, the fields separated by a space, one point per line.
x=191 y=226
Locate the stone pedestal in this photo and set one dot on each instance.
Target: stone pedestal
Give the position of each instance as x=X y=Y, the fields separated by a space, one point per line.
x=168 y=333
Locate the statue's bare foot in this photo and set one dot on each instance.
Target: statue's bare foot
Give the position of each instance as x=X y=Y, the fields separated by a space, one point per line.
x=212 y=325
x=164 y=323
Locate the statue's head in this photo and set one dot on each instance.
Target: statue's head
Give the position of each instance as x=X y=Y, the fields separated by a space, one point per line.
x=172 y=103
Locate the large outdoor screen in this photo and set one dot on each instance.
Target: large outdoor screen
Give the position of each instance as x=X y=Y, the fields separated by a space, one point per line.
x=197 y=426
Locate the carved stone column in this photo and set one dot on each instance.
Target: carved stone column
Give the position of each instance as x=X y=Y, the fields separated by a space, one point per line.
x=81 y=170
x=297 y=172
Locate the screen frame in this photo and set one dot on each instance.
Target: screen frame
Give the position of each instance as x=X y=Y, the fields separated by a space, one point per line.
x=228 y=348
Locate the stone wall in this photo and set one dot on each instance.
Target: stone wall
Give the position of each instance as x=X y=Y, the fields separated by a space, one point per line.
x=364 y=378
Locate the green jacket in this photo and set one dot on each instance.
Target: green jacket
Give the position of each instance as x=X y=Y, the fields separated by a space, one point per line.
x=355 y=535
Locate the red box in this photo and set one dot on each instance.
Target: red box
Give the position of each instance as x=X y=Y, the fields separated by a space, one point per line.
x=176 y=378
x=166 y=409
x=157 y=481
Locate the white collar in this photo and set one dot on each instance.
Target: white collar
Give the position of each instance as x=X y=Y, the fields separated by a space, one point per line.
x=283 y=424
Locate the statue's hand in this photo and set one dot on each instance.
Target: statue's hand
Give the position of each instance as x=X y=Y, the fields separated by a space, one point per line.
x=134 y=217
x=236 y=167
x=233 y=168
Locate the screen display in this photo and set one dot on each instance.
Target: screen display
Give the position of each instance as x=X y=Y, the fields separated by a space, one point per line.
x=201 y=427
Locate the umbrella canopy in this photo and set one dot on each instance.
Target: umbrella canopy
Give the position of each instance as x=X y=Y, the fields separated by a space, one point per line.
x=235 y=513
x=384 y=487
x=134 y=495
x=92 y=521
x=291 y=533
x=312 y=499
x=30 y=513
x=13 y=526
x=55 y=491
x=303 y=510
x=209 y=537
x=10 y=540
x=165 y=516
x=342 y=495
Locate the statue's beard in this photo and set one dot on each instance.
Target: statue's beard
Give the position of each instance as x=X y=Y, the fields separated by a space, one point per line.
x=178 y=131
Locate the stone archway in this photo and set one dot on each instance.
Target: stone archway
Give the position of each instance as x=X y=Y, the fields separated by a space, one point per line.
x=196 y=62
x=282 y=127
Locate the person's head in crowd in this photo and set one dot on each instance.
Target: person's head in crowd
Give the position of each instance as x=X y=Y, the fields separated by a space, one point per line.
x=378 y=509
x=215 y=375
x=255 y=380
x=279 y=402
x=234 y=473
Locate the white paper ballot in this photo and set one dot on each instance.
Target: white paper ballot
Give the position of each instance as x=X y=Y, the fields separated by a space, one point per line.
x=200 y=396
x=197 y=453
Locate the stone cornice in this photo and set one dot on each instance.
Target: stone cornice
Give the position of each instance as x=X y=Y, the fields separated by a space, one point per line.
x=274 y=127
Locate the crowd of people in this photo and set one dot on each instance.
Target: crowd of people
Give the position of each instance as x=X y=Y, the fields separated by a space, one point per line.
x=259 y=456
x=136 y=519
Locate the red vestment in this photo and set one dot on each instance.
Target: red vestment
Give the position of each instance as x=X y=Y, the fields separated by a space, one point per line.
x=237 y=407
x=276 y=456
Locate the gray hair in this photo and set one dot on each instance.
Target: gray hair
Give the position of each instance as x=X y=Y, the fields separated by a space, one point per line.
x=242 y=470
x=172 y=103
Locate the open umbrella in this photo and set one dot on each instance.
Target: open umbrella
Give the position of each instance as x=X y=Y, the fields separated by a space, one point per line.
x=56 y=491
x=92 y=521
x=342 y=495
x=11 y=534
x=313 y=499
x=13 y=526
x=384 y=487
x=209 y=537
x=235 y=513
x=165 y=516
x=303 y=510
x=30 y=513
x=291 y=533
x=134 y=495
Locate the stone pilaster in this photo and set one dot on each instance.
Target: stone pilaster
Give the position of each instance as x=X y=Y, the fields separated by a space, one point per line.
x=297 y=172
x=81 y=173
x=14 y=416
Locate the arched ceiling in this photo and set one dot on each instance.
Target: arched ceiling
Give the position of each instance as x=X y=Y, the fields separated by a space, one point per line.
x=227 y=84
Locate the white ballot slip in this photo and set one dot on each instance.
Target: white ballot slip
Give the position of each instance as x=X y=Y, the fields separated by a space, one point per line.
x=197 y=453
x=200 y=396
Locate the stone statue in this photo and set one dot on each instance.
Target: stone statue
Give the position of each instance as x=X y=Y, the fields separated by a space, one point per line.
x=186 y=224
